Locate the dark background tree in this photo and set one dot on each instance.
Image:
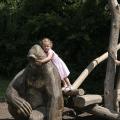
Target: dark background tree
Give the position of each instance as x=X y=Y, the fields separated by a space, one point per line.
x=79 y=28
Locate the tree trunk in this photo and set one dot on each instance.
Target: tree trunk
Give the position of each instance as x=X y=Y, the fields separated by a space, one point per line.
x=111 y=67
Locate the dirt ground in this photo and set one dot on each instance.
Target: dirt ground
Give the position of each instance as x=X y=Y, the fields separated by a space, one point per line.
x=4 y=114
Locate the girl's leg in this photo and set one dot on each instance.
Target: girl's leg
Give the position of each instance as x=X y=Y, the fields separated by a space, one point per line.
x=69 y=86
x=67 y=81
x=64 y=85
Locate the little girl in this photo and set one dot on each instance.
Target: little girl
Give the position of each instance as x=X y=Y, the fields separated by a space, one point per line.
x=47 y=44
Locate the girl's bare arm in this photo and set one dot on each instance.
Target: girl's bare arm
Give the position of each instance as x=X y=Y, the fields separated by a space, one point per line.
x=117 y=62
x=48 y=58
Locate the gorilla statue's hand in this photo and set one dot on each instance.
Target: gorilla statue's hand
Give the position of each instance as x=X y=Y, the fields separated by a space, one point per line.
x=23 y=107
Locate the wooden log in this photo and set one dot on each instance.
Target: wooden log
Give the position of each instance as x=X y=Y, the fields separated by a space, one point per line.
x=74 y=92
x=90 y=68
x=104 y=112
x=85 y=100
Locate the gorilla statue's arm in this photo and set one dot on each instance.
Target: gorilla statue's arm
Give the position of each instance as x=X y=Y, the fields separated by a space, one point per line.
x=14 y=95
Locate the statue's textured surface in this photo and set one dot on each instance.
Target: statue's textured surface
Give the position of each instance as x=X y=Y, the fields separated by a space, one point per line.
x=35 y=92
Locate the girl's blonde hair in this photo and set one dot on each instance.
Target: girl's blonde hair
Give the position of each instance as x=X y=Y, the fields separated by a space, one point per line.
x=45 y=40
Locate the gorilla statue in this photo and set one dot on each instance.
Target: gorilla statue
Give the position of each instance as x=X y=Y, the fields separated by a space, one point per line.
x=35 y=92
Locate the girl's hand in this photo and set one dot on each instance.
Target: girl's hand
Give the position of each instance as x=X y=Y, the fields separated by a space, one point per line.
x=38 y=62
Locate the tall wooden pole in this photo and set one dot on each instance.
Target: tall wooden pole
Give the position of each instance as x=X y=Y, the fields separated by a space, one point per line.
x=111 y=67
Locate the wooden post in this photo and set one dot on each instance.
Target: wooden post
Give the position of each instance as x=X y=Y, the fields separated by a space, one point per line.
x=111 y=67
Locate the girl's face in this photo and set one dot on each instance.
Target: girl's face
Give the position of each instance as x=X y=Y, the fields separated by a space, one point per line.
x=46 y=46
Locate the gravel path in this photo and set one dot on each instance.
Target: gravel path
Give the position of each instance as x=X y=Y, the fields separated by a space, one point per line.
x=4 y=114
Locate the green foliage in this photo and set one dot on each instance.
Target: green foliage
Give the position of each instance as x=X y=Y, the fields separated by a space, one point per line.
x=3 y=85
x=78 y=28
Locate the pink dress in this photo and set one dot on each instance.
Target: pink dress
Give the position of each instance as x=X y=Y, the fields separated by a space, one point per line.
x=61 y=66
